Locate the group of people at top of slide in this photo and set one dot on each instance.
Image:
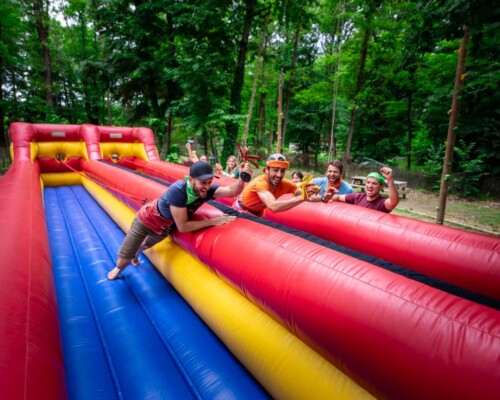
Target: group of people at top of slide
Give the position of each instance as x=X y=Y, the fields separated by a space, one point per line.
x=265 y=190
x=174 y=209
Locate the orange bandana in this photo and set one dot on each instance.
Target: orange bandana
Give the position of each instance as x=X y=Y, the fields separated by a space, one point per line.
x=336 y=185
x=278 y=164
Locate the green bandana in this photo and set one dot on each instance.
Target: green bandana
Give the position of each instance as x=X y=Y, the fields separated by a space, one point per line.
x=377 y=176
x=192 y=196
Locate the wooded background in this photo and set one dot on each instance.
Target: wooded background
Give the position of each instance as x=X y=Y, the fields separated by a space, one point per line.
x=327 y=79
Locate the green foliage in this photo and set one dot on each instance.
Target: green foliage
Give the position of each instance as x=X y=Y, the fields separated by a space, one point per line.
x=433 y=166
x=4 y=165
x=173 y=157
x=467 y=172
x=134 y=63
x=471 y=169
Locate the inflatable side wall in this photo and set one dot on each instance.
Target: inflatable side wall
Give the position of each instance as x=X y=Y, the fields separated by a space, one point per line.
x=31 y=362
x=465 y=259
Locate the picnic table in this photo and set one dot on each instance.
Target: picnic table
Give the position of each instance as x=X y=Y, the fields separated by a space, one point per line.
x=358 y=182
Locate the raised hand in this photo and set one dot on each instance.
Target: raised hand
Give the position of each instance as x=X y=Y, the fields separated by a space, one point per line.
x=386 y=172
x=245 y=167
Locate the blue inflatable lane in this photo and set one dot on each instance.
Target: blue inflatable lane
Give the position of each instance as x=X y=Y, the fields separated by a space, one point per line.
x=133 y=338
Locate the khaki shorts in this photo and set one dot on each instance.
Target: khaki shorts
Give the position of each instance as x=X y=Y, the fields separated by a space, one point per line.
x=139 y=234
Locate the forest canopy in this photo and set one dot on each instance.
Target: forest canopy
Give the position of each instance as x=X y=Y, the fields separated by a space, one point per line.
x=330 y=78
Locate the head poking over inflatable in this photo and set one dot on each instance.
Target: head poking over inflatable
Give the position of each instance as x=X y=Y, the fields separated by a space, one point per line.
x=277 y=160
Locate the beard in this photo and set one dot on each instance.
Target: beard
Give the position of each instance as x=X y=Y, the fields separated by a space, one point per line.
x=199 y=190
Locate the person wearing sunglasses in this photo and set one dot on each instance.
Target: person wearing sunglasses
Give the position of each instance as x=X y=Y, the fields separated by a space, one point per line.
x=371 y=198
x=265 y=190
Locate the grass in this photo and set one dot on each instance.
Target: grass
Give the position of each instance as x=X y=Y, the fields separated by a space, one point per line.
x=454 y=224
x=476 y=216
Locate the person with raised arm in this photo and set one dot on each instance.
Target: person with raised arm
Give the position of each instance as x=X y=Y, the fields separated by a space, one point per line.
x=371 y=198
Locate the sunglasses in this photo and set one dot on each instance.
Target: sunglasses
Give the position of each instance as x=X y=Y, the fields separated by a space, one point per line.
x=276 y=157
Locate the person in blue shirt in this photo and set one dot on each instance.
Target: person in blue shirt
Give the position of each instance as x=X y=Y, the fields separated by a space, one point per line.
x=173 y=210
x=333 y=179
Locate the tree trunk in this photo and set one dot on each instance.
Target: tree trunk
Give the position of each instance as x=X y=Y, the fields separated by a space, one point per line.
x=280 y=113
x=3 y=135
x=452 y=126
x=254 y=86
x=237 y=86
x=410 y=129
x=332 y=148
x=290 y=83
x=108 y=105
x=261 y=126
x=364 y=52
x=41 y=21
x=168 y=136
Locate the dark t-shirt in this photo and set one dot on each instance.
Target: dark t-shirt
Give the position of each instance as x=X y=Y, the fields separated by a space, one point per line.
x=360 y=199
x=176 y=196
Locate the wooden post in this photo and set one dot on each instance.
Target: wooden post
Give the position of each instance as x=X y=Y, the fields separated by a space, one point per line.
x=280 y=113
x=452 y=126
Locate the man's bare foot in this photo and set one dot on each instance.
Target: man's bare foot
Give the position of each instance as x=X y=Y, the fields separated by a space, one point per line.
x=114 y=273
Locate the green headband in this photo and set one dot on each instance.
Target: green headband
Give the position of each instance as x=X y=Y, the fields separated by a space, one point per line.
x=377 y=176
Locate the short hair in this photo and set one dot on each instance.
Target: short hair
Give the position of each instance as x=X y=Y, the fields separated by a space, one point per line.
x=298 y=173
x=337 y=164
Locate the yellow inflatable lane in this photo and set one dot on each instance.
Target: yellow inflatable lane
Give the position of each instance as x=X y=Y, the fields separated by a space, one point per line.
x=285 y=366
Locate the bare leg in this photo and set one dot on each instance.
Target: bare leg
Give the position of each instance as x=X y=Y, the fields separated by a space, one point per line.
x=149 y=240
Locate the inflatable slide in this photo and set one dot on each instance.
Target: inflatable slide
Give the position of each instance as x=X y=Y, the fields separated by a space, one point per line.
x=245 y=310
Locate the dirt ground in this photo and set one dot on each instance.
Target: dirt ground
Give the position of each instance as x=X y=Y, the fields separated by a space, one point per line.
x=479 y=216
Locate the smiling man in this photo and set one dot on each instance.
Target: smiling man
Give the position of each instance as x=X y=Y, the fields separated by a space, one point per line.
x=265 y=190
x=371 y=198
x=155 y=220
x=333 y=179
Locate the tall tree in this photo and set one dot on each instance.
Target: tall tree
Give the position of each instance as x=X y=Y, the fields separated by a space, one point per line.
x=454 y=113
x=10 y=32
x=232 y=126
x=359 y=83
x=41 y=14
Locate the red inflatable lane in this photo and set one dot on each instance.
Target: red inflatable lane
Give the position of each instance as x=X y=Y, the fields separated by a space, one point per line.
x=31 y=360
x=394 y=336
x=465 y=259
x=397 y=338
x=131 y=135
x=132 y=189
x=170 y=172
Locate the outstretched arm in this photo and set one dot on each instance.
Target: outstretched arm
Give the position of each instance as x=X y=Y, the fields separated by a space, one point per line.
x=331 y=196
x=234 y=189
x=278 y=205
x=183 y=224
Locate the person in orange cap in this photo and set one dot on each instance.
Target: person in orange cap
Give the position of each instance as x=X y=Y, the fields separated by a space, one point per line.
x=265 y=190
